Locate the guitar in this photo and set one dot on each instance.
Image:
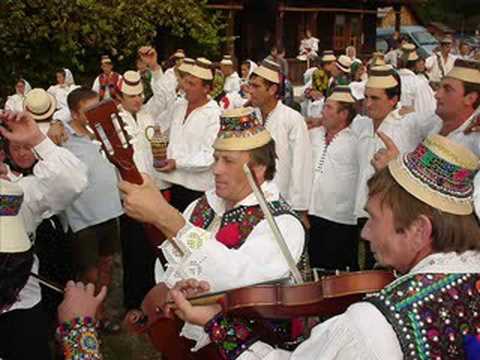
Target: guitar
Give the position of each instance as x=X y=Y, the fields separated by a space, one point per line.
x=108 y=127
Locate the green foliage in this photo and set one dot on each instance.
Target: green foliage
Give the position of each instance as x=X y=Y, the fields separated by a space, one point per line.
x=458 y=14
x=38 y=36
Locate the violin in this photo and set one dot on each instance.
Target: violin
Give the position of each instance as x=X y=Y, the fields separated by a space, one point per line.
x=329 y=296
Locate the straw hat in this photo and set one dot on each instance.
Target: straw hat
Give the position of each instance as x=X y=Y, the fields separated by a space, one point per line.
x=344 y=63
x=408 y=47
x=328 y=56
x=131 y=83
x=467 y=71
x=40 y=104
x=440 y=173
x=268 y=70
x=342 y=93
x=381 y=77
x=240 y=130
x=13 y=236
x=186 y=65
x=202 y=69
x=227 y=60
x=378 y=59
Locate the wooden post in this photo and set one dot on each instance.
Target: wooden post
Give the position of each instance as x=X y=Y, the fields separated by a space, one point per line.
x=279 y=25
x=398 y=16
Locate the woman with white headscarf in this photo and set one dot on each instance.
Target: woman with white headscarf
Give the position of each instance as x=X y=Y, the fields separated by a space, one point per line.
x=15 y=101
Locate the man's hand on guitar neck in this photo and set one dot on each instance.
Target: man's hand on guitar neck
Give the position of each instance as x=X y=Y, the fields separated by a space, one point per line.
x=146 y=203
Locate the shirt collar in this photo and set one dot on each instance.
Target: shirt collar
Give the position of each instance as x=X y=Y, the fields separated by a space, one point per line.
x=270 y=190
x=451 y=262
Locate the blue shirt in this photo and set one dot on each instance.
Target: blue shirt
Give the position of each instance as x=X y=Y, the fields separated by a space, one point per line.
x=100 y=201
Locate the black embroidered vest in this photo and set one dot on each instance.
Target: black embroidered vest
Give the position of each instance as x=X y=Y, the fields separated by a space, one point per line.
x=238 y=223
x=432 y=313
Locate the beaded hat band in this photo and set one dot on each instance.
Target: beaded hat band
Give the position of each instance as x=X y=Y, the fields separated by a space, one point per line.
x=440 y=173
x=13 y=236
x=241 y=130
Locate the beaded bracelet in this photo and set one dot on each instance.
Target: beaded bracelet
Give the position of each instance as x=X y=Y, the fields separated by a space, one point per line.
x=79 y=339
x=232 y=336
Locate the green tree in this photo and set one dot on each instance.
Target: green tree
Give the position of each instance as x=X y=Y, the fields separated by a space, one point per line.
x=38 y=36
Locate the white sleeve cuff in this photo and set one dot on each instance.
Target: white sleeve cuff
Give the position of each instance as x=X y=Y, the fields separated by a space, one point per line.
x=45 y=148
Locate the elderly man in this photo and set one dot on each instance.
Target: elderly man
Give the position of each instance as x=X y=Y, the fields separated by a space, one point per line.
x=223 y=237
x=232 y=80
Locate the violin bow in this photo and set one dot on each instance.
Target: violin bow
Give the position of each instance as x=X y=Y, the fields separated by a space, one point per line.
x=273 y=225
x=47 y=283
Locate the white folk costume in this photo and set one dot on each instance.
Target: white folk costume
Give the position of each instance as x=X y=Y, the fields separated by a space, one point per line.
x=308 y=48
x=335 y=171
x=333 y=230
x=60 y=93
x=235 y=247
x=232 y=82
x=438 y=67
x=106 y=85
x=58 y=177
x=398 y=127
x=15 y=102
x=294 y=150
x=191 y=140
x=430 y=312
x=415 y=93
x=136 y=125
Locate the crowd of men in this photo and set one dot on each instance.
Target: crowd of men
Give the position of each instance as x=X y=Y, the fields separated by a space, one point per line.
x=376 y=169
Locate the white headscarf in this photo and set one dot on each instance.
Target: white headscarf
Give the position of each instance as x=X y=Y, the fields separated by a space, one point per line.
x=253 y=66
x=28 y=87
x=69 y=80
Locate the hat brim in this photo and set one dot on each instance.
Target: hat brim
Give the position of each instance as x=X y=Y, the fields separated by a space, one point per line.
x=186 y=68
x=267 y=74
x=381 y=82
x=201 y=73
x=132 y=90
x=48 y=113
x=425 y=194
x=329 y=58
x=343 y=68
x=235 y=143
x=13 y=236
x=465 y=74
x=342 y=97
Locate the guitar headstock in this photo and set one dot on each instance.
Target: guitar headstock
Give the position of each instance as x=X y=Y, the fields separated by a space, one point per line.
x=108 y=127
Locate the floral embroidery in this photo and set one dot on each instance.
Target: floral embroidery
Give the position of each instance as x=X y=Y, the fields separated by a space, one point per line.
x=237 y=223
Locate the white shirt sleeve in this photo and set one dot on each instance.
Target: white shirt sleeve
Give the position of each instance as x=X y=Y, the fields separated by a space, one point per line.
x=205 y=258
x=361 y=333
x=302 y=170
x=58 y=178
x=96 y=84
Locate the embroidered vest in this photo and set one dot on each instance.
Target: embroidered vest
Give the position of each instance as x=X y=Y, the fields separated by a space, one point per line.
x=432 y=313
x=111 y=82
x=238 y=223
